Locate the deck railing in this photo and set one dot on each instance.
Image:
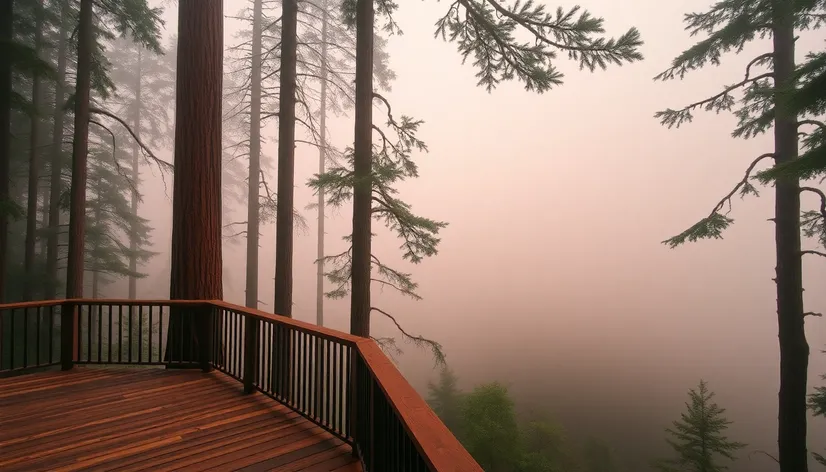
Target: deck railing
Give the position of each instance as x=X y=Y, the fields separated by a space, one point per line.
x=343 y=383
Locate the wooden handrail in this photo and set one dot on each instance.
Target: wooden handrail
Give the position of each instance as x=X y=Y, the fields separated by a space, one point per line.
x=436 y=443
x=34 y=304
x=340 y=336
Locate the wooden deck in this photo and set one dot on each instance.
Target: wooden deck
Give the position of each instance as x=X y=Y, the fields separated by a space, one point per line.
x=155 y=419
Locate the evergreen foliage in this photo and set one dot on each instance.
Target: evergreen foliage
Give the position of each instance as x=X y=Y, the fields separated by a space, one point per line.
x=446 y=399
x=106 y=252
x=728 y=26
x=486 y=422
x=392 y=164
x=489 y=31
x=697 y=438
x=809 y=101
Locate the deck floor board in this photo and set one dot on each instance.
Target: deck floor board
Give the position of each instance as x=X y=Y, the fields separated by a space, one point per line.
x=128 y=419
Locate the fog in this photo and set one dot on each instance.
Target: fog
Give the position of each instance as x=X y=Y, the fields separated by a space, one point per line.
x=551 y=276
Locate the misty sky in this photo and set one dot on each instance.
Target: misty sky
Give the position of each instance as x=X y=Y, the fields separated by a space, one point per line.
x=552 y=265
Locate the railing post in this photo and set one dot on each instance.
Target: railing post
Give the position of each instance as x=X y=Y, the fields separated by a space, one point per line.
x=68 y=335
x=206 y=342
x=352 y=399
x=250 y=352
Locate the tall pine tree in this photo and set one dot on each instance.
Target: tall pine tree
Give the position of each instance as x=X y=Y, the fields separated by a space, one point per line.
x=761 y=105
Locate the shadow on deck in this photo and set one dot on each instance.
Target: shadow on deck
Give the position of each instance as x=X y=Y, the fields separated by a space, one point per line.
x=155 y=419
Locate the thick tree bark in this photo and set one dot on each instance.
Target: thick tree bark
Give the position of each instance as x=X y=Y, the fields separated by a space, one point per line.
x=322 y=161
x=794 y=349
x=56 y=164
x=196 y=265
x=6 y=24
x=362 y=189
x=253 y=206
x=133 y=240
x=34 y=166
x=80 y=148
x=286 y=161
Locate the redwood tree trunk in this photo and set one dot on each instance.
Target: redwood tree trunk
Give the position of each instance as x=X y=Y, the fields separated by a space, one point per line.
x=34 y=166
x=6 y=23
x=794 y=349
x=322 y=161
x=56 y=164
x=362 y=188
x=196 y=265
x=255 y=160
x=80 y=148
x=133 y=240
x=286 y=161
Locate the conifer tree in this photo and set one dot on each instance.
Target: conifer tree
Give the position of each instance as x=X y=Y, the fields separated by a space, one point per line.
x=762 y=104
x=142 y=22
x=144 y=98
x=445 y=399
x=6 y=206
x=698 y=438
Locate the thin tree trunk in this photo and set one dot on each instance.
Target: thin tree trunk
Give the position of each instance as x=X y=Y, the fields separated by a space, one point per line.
x=362 y=167
x=6 y=25
x=80 y=147
x=322 y=158
x=253 y=213
x=96 y=250
x=44 y=221
x=286 y=161
x=794 y=349
x=34 y=165
x=56 y=164
x=255 y=160
x=322 y=161
x=196 y=265
x=133 y=240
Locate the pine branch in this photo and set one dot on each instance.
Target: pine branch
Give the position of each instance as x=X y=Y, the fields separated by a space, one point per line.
x=820 y=194
x=713 y=225
x=117 y=162
x=418 y=340
x=722 y=101
x=162 y=164
x=813 y=252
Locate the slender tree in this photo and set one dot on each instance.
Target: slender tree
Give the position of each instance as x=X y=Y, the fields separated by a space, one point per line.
x=253 y=205
x=698 y=437
x=286 y=160
x=196 y=266
x=730 y=25
x=80 y=148
x=34 y=164
x=322 y=162
x=6 y=25
x=362 y=173
x=136 y=123
x=56 y=153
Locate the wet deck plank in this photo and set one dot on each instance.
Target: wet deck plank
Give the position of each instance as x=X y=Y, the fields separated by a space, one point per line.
x=155 y=419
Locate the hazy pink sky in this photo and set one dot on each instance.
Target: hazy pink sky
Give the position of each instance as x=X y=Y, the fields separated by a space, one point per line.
x=557 y=204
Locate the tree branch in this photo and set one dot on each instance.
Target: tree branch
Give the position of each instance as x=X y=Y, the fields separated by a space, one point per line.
x=419 y=340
